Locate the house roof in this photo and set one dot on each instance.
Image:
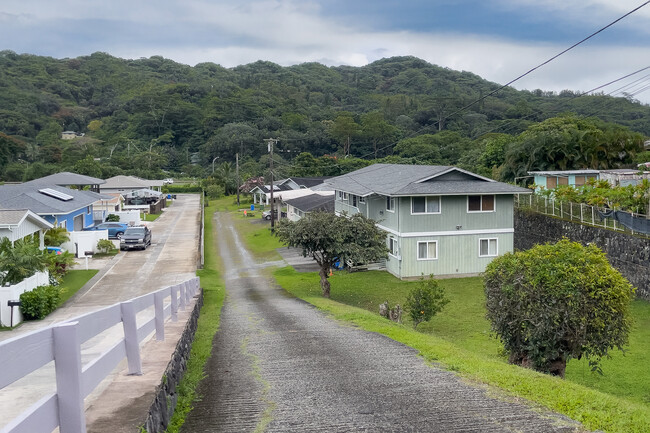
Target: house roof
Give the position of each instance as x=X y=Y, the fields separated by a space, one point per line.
x=312 y=202
x=564 y=172
x=129 y=182
x=309 y=182
x=32 y=196
x=406 y=180
x=15 y=217
x=66 y=178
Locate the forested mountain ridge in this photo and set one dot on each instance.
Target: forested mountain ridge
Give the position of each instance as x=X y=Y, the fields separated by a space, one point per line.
x=141 y=116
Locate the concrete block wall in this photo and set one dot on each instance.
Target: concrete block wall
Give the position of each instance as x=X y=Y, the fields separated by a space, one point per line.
x=629 y=254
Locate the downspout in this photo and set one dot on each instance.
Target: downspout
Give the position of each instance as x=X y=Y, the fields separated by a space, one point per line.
x=399 y=237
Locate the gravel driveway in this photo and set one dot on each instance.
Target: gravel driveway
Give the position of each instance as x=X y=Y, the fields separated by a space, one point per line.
x=279 y=365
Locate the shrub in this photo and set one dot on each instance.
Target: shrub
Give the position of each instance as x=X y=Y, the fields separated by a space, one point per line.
x=214 y=191
x=112 y=218
x=425 y=300
x=38 y=303
x=58 y=264
x=105 y=246
x=555 y=302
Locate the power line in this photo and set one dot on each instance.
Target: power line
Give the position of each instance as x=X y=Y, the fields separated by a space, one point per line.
x=546 y=62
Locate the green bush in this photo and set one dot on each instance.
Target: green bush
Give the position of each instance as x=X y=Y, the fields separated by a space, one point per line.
x=112 y=218
x=425 y=300
x=555 y=302
x=55 y=236
x=214 y=191
x=19 y=261
x=58 y=264
x=38 y=303
x=105 y=246
x=182 y=188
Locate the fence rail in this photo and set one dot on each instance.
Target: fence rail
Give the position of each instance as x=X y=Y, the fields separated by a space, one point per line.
x=61 y=343
x=576 y=212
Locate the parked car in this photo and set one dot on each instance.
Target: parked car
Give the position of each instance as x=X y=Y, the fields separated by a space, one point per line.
x=115 y=230
x=267 y=214
x=168 y=181
x=138 y=237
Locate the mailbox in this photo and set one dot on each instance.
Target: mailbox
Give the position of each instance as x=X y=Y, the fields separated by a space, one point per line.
x=13 y=303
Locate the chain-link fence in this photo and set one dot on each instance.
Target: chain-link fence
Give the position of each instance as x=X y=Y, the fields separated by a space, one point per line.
x=583 y=213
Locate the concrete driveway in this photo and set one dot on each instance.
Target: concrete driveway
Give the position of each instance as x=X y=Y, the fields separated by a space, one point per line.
x=172 y=258
x=279 y=365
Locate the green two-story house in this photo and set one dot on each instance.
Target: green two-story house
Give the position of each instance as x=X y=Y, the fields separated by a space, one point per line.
x=438 y=220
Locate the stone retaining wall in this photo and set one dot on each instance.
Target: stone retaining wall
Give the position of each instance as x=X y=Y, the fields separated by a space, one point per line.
x=629 y=254
x=164 y=403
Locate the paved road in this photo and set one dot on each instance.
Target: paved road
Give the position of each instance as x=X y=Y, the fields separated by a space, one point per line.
x=279 y=365
x=171 y=258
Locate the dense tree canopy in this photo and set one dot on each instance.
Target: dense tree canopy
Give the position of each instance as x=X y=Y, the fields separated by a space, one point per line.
x=148 y=115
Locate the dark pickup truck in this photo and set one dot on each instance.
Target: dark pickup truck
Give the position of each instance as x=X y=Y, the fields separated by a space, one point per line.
x=136 y=237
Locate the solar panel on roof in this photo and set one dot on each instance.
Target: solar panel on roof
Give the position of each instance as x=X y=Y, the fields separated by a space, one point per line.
x=56 y=194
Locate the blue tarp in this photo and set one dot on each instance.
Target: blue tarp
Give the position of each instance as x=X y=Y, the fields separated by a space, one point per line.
x=637 y=224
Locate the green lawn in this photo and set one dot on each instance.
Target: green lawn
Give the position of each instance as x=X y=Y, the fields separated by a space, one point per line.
x=150 y=217
x=459 y=339
x=73 y=281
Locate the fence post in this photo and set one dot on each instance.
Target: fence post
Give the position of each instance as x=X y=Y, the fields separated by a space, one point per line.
x=581 y=218
x=160 y=315
x=181 y=302
x=131 y=338
x=174 y=303
x=67 y=365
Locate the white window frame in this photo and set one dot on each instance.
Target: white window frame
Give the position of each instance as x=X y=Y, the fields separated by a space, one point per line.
x=426 y=258
x=355 y=200
x=362 y=199
x=390 y=204
x=481 y=210
x=426 y=205
x=392 y=241
x=496 y=241
x=345 y=196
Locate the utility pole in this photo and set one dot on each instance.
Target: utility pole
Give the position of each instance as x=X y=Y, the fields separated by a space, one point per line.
x=270 y=142
x=237 y=171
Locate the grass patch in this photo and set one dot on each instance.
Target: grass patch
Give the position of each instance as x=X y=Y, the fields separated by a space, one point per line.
x=208 y=324
x=255 y=232
x=73 y=281
x=459 y=339
x=150 y=217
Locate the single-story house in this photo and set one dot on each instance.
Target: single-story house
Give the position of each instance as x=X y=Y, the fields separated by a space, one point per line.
x=16 y=224
x=552 y=179
x=624 y=176
x=298 y=207
x=438 y=220
x=262 y=193
x=111 y=203
x=126 y=184
x=305 y=182
x=58 y=205
x=74 y=180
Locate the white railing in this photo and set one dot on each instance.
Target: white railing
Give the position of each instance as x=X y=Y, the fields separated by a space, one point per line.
x=61 y=343
x=577 y=212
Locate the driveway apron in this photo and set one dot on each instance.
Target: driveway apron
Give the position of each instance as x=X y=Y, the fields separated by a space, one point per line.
x=280 y=365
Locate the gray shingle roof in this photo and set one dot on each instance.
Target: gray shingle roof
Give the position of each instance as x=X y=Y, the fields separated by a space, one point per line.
x=405 y=180
x=66 y=178
x=313 y=202
x=121 y=181
x=27 y=196
x=309 y=182
x=13 y=217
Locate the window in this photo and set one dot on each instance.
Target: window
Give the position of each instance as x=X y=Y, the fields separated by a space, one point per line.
x=480 y=203
x=428 y=250
x=488 y=247
x=390 y=204
x=354 y=200
x=425 y=205
x=392 y=246
x=362 y=200
x=345 y=196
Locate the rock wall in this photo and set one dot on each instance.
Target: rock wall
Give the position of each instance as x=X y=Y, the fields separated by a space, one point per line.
x=164 y=404
x=629 y=254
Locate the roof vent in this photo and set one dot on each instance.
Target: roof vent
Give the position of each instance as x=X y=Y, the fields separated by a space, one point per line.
x=56 y=194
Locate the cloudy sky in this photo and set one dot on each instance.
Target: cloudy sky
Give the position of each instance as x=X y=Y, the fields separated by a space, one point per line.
x=496 y=39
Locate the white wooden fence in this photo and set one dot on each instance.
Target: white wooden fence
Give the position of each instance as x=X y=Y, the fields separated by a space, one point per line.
x=61 y=343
